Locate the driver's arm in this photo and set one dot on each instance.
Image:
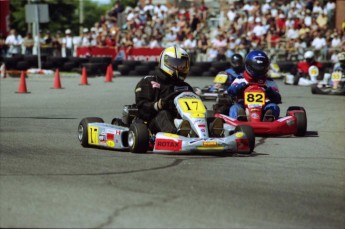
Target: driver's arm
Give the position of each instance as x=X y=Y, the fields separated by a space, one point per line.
x=145 y=99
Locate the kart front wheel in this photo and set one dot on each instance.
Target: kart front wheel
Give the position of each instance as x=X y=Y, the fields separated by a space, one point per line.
x=138 y=138
x=301 y=120
x=82 y=129
x=249 y=132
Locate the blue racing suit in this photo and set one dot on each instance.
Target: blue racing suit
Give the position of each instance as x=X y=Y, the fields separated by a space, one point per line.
x=232 y=75
x=273 y=96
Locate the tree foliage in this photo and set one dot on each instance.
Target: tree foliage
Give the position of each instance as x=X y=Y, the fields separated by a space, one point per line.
x=62 y=14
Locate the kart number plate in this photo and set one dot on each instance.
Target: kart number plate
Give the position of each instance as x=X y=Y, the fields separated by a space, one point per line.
x=221 y=79
x=336 y=76
x=93 y=135
x=192 y=105
x=254 y=98
x=313 y=71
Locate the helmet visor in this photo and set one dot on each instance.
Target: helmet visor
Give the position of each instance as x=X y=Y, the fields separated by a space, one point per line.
x=175 y=64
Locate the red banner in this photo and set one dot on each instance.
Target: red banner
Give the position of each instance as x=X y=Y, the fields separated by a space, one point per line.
x=143 y=54
x=4 y=17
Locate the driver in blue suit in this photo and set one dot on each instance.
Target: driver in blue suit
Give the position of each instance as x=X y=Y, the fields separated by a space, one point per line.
x=256 y=67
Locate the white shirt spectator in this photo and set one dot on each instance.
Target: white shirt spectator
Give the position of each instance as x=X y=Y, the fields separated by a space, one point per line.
x=318 y=43
x=336 y=42
x=265 y=8
x=231 y=14
x=160 y=10
x=307 y=20
x=170 y=39
x=292 y=33
x=259 y=30
x=14 y=41
x=249 y=7
x=190 y=43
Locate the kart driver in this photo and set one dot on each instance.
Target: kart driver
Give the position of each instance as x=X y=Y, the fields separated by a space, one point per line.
x=256 y=66
x=340 y=67
x=303 y=67
x=151 y=93
x=235 y=71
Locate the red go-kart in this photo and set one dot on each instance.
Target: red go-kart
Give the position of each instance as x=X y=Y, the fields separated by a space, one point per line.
x=295 y=121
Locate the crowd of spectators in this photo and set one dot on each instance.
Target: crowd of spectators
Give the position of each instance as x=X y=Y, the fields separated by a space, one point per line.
x=284 y=28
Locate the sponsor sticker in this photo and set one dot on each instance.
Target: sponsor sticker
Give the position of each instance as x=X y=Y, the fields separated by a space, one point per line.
x=111 y=143
x=110 y=136
x=168 y=144
x=239 y=134
x=210 y=144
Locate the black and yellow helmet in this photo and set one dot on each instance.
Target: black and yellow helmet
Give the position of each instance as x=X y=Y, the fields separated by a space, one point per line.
x=175 y=62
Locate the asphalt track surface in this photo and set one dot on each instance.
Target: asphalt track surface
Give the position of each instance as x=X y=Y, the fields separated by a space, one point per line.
x=47 y=179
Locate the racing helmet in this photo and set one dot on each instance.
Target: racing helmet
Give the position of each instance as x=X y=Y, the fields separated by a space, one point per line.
x=309 y=56
x=256 y=65
x=174 y=62
x=236 y=61
x=341 y=58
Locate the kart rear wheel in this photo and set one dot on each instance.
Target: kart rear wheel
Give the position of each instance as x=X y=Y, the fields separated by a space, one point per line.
x=249 y=132
x=301 y=119
x=82 y=129
x=295 y=108
x=138 y=138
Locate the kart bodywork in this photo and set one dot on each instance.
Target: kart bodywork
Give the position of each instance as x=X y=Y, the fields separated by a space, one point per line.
x=336 y=85
x=295 y=121
x=211 y=92
x=128 y=134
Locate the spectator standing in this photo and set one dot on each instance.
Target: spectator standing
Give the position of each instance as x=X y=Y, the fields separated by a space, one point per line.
x=220 y=44
x=67 y=43
x=203 y=45
x=14 y=42
x=3 y=47
x=170 y=39
x=318 y=43
x=57 y=44
x=28 y=43
x=190 y=45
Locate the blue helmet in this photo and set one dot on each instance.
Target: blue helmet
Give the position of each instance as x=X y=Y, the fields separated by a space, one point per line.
x=257 y=64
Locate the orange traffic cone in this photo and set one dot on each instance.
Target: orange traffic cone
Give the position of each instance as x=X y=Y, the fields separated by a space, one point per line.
x=57 y=82
x=3 y=71
x=109 y=74
x=83 y=77
x=22 y=84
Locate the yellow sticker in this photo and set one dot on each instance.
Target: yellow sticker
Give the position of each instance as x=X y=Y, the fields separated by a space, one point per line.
x=336 y=76
x=209 y=144
x=221 y=78
x=254 y=98
x=192 y=105
x=93 y=135
x=239 y=134
x=171 y=135
x=111 y=143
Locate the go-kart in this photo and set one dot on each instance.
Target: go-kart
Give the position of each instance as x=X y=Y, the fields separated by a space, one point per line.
x=303 y=80
x=336 y=85
x=295 y=121
x=130 y=133
x=211 y=92
x=275 y=73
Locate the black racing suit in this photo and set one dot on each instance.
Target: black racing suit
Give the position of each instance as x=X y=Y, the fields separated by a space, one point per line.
x=148 y=91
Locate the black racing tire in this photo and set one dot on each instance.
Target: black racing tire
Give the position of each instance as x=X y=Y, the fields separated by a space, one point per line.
x=82 y=129
x=291 y=108
x=301 y=119
x=123 y=69
x=249 y=132
x=23 y=65
x=142 y=70
x=314 y=89
x=117 y=122
x=138 y=138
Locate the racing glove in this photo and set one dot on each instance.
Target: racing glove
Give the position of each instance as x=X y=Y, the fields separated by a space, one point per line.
x=273 y=95
x=160 y=105
x=237 y=89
